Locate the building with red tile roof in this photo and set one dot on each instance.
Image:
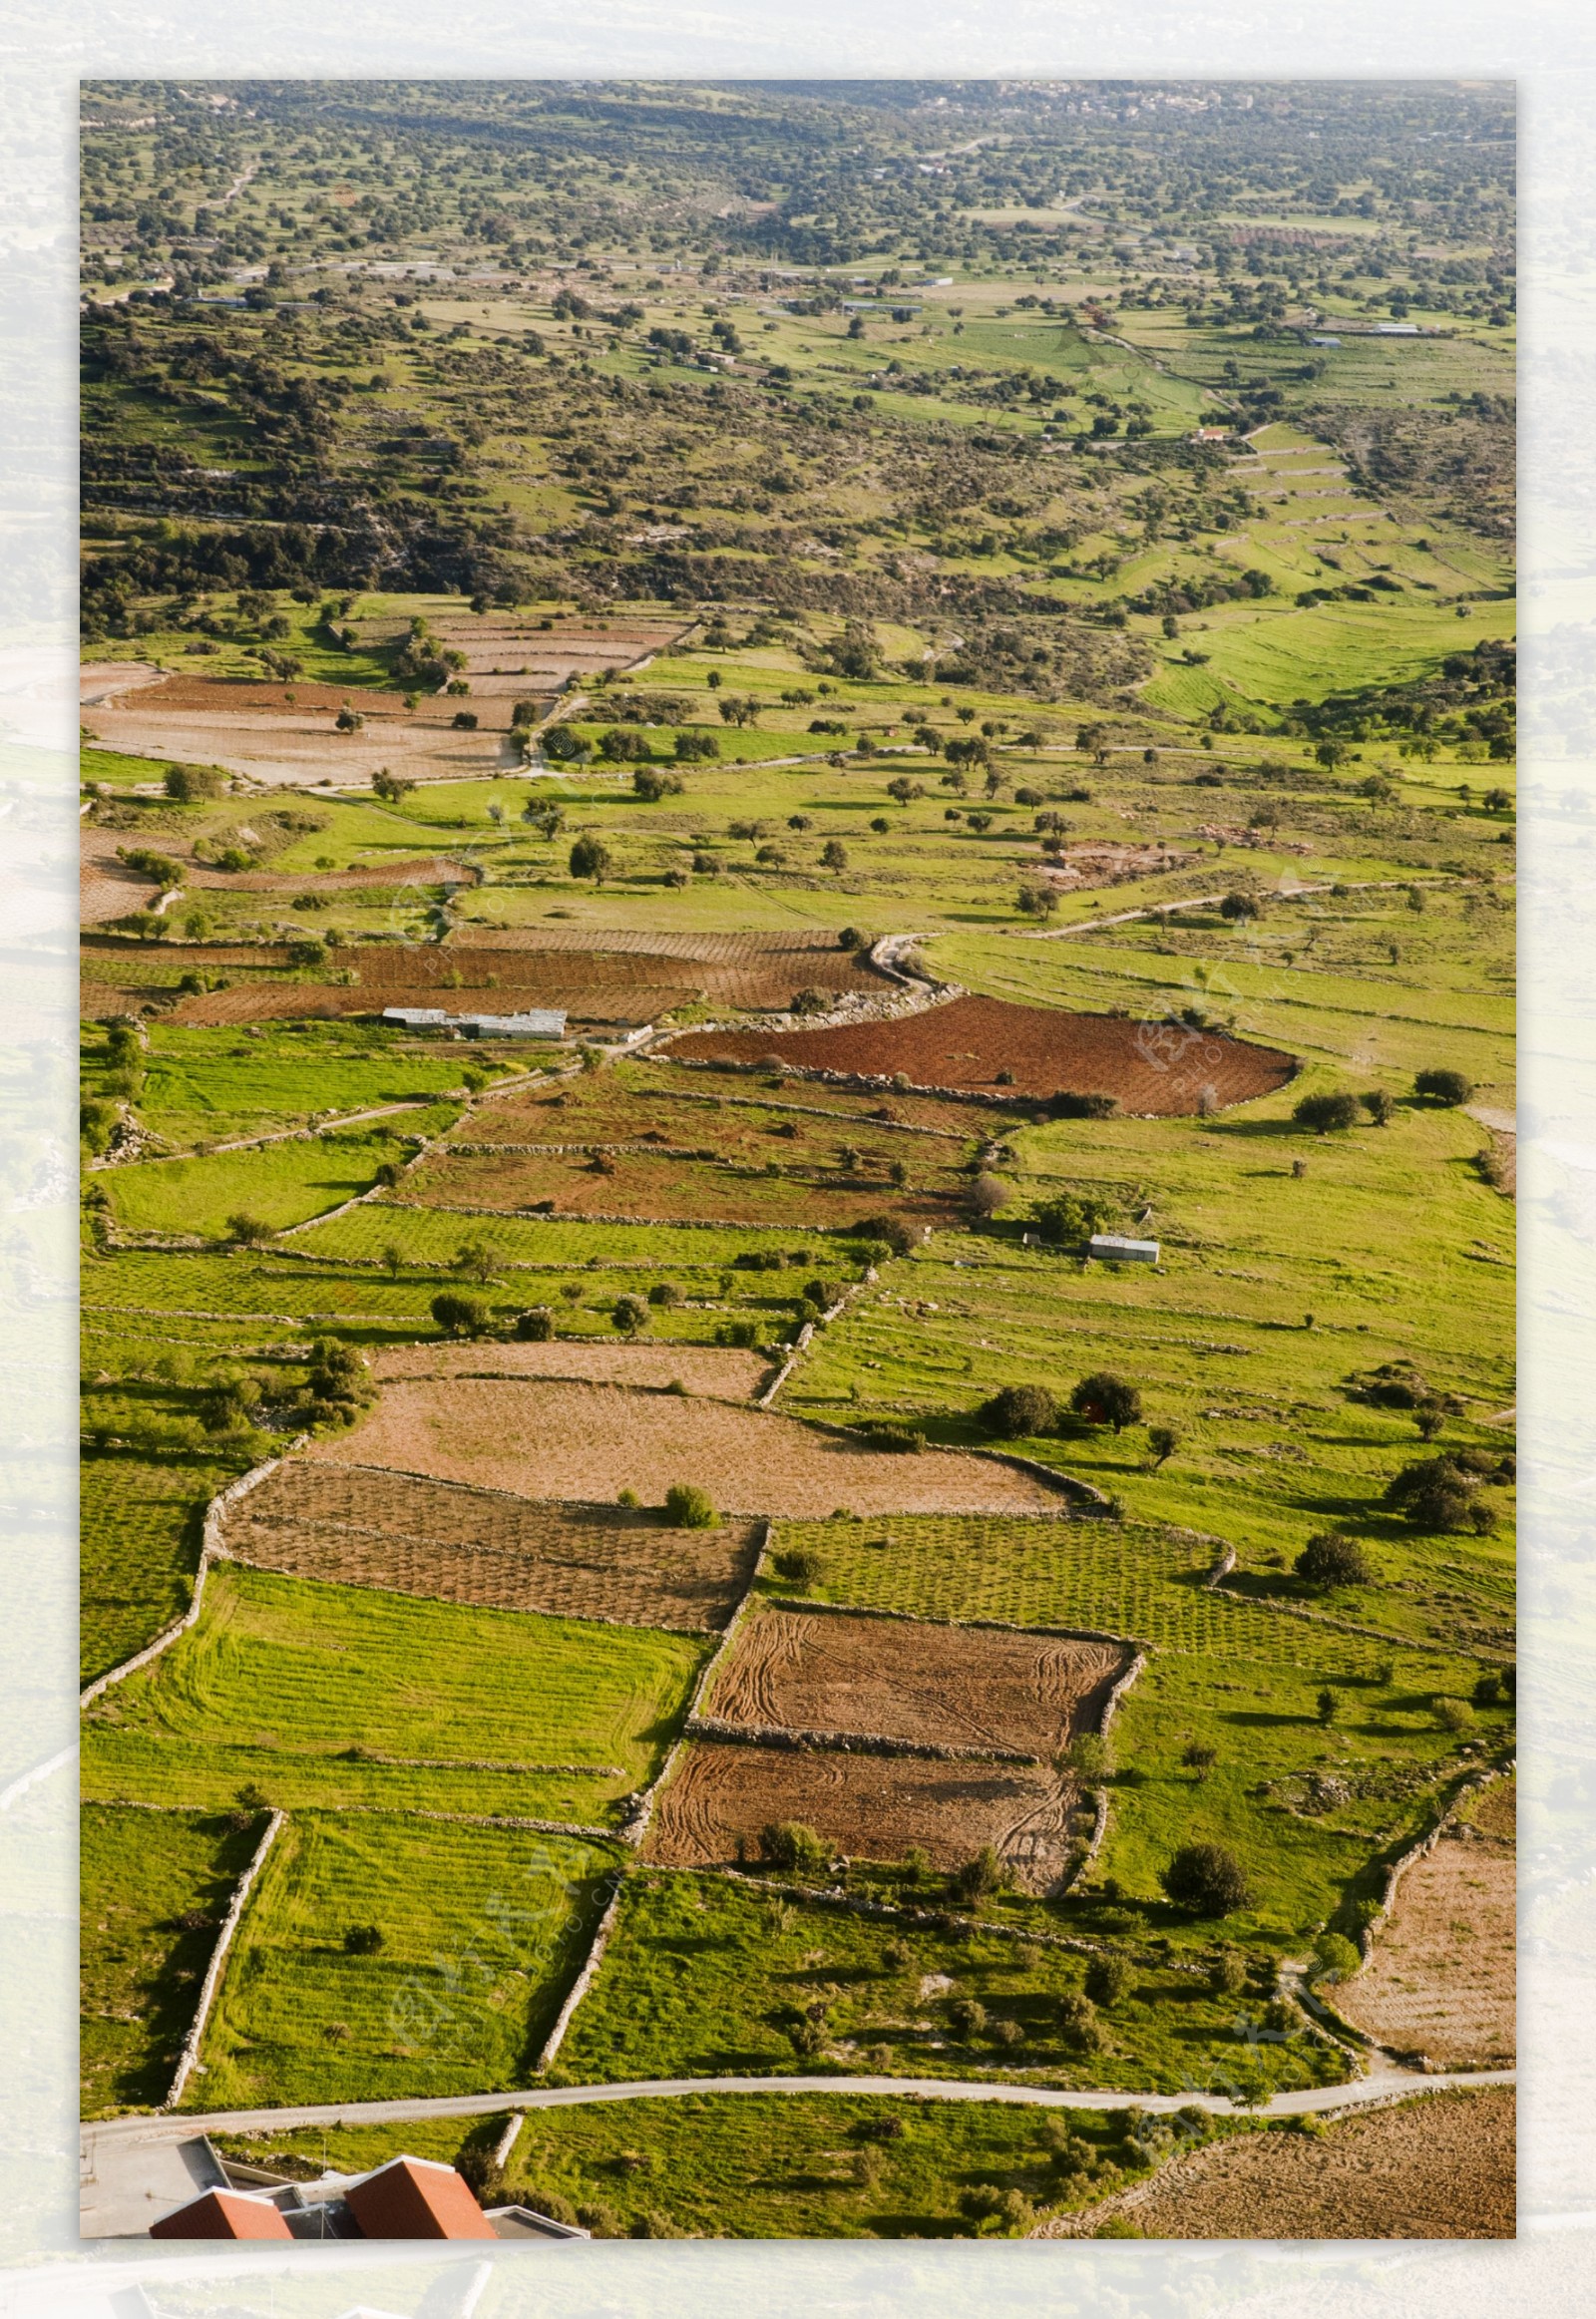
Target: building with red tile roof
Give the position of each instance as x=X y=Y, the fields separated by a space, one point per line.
x=416 y=2198
x=226 y=2214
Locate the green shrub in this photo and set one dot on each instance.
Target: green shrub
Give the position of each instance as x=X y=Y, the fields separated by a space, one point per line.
x=1106 y=1399
x=799 y=1566
x=1328 y=1560
x=459 y=1315
x=1207 y=1879
x=792 y=1843
x=1448 y=1087
x=1107 y=1980
x=536 y=1327
x=363 y=1940
x=1324 y=1113
x=1335 y=1957
x=1078 y=2024
x=690 y=1508
x=1020 y=1412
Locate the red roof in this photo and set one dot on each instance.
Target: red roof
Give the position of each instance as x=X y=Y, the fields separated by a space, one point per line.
x=225 y=2214
x=416 y=2198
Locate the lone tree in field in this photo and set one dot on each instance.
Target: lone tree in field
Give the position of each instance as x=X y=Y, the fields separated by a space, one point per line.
x=459 y=1315
x=988 y=1194
x=979 y=1878
x=687 y=1507
x=1207 y=1879
x=536 y=1327
x=1106 y=1399
x=1241 y=905
x=250 y=1231
x=1332 y=1560
x=476 y=1260
x=591 y=858
x=1324 y=1113
x=629 y=1314
x=1449 y=1088
x=834 y=854
x=1162 y=1442
x=1020 y=1412
x=194 y=784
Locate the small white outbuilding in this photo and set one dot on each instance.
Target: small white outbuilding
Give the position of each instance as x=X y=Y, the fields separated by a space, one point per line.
x=1110 y=1248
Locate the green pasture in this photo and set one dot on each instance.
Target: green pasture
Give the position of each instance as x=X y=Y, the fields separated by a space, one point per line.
x=154 y=1888
x=481 y=1931
x=704 y=1977
x=332 y=1695
x=757 y=2166
x=277 y=1183
x=139 y=1547
x=202 y=1084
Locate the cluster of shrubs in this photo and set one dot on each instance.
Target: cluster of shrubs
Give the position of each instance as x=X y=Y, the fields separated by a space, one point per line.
x=1327 y=1112
x=1024 y=1412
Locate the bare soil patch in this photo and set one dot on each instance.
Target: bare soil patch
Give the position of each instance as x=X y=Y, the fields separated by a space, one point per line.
x=667 y=1188
x=712 y=1371
x=547 y=1438
x=403 y=870
x=353 y=1526
x=1441 y=2167
x=1155 y=1070
x=1442 y=1979
x=904 y=1679
x=871 y=1807
x=1106 y=863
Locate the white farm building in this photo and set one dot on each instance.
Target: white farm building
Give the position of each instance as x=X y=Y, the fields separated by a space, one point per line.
x=537 y=1022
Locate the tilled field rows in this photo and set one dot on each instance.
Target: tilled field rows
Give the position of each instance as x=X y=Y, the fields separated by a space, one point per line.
x=873 y=1807
x=1157 y=1070
x=901 y=1680
x=356 y=1526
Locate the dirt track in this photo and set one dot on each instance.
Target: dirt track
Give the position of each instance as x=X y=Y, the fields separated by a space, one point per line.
x=1441 y=2167
x=354 y=1527
x=1155 y=1070
x=904 y=1679
x=588 y=1441
x=1442 y=1979
x=871 y=1807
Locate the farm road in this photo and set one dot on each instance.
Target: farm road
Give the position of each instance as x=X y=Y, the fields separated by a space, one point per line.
x=1380 y=2085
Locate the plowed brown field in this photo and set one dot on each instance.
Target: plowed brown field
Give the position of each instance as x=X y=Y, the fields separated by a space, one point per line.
x=1441 y=2167
x=353 y=1526
x=1442 y=1979
x=904 y=1679
x=716 y=1374
x=546 y=1439
x=665 y=1188
x=1153 y=1069
x=871 y=1807
x=629 y=983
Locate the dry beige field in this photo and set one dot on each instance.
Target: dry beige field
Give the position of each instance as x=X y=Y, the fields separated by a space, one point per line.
x=906 y=1678
x=1442 y=1976
x=550 y=1439
x=871 y=1807
x=709 y=1370
x=1440 y=2166
x=349 y=1525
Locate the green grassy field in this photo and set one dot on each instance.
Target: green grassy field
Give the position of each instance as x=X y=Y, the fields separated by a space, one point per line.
x=204 y=1085
x=750 y=2166
x=277 y=1183
x=481 y=1932
x=704 y=1977
x=154 y=1888
x=138 y=1532
x=329 y=1695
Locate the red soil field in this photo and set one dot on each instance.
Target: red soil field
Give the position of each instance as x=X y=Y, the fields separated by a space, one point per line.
x=1153 y=1069
x=906 y=1678
x=353 y=1526
x=871 y=1807
x=1441 y=2167
x=545 y=1438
